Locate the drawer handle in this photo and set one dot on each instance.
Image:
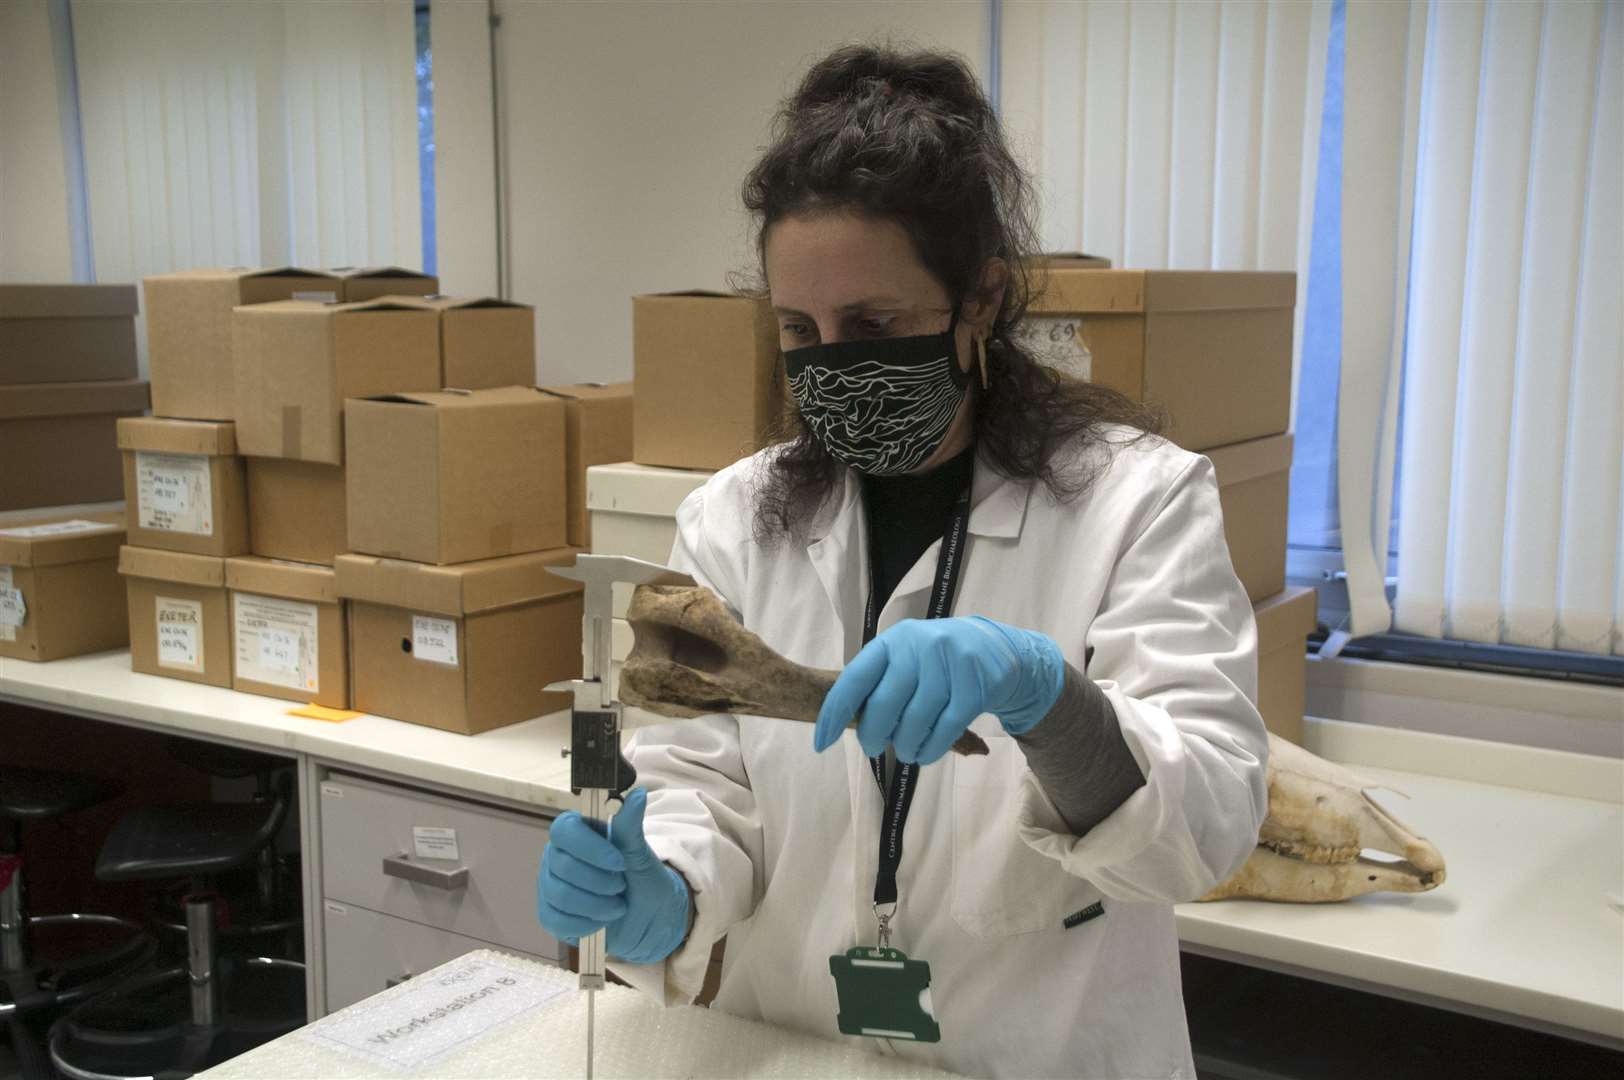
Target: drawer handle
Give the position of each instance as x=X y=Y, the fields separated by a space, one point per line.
x=402 y=866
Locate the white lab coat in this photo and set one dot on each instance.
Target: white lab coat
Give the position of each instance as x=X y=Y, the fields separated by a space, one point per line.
x=780 y=843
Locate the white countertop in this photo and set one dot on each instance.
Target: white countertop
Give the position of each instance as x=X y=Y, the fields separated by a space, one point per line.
x=521 y=763
x=1522 y=928
x=635 y=1038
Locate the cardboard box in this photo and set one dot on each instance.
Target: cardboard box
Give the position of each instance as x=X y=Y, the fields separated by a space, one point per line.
x=456 y=475
x=58 y=442
x=465 y=648
x=1284 y=622
x=189 y=332
x=289 y=632
x=634 y=512
x=1212 y=347
x=357 y=283
x=708 y=374
x=297 y=361
x=60 y=594
x=296 y=510
x=598 y=431
x=485 y=342
x=180 y=619
x=184 y=487
x=66 y=333
x=1254 y=486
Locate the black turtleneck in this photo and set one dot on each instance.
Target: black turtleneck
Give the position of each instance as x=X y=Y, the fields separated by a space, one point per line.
x=906 y=515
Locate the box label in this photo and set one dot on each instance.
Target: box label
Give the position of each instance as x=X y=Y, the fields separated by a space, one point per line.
x=174 y=494
x=1057 y=341
x=434 y=842
x=434 y=640
x=180 y=634
x=57 y=528
x=277 y=642
x=12 y=609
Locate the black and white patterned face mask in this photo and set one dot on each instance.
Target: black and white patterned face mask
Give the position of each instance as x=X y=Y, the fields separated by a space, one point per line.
x=881 y=406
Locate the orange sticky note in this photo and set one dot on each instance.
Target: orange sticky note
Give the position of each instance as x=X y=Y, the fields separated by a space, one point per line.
x=322 y=712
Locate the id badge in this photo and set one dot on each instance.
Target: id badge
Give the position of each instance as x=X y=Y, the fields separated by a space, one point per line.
x=884 y=994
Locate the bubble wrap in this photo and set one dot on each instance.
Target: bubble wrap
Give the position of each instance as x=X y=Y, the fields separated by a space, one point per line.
x=635 y=1038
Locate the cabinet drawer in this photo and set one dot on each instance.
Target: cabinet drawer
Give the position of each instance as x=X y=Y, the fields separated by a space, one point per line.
x=488 y=891
x=368 y=952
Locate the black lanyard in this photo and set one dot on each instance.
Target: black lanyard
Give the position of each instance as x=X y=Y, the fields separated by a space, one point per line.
x=900 y=797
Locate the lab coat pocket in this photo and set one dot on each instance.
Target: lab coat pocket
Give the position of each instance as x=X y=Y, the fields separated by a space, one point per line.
x=1001 y=887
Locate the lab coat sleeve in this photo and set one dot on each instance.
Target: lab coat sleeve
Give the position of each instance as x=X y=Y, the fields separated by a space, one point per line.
x=701 y=817
x=1176 y=654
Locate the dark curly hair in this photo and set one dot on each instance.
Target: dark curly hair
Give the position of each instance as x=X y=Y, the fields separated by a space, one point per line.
x=908 y=136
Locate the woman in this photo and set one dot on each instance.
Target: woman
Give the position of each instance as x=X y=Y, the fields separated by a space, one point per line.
x=1093 y=634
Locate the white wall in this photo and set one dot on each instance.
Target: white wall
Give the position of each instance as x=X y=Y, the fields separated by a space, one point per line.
x=35 y=244
x=628 y=128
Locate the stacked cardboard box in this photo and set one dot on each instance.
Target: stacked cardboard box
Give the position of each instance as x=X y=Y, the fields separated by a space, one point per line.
x=1213 y=349
x=60 y=595
x=456 y=507
x=67 y=374
x=256 y=362
x=708 y=375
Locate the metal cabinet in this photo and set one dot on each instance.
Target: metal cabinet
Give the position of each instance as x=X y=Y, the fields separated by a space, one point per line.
x=411 y=879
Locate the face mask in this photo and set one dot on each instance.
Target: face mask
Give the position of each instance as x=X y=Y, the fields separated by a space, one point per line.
x=881 y=406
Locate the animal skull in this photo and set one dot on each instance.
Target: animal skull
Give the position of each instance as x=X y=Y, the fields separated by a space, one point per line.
x=692 y=657
x=1320 y=819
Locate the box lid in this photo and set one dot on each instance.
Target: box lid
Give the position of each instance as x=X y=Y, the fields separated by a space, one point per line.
x=282 y=578
x=590 y=391
x=463 y=303
x=701 y=294
x=73 y=399
x=1092 y=291
x=1240 y=462
x=52 y=541
x=1287 y=616
x=462 y=399
x=377 y=272
x=629 y=488
x=459 y=589
x=58 y=301
x=212 y=437
x=208 y=571
x=1072 y=260
x=327 y=308
x=232 y=273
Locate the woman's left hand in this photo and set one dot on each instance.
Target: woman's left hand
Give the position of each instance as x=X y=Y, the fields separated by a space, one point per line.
x=921 y=683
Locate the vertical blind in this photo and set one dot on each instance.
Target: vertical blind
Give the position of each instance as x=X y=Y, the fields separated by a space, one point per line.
x=1510 y=496
x=1167 y=135
x=248 y=134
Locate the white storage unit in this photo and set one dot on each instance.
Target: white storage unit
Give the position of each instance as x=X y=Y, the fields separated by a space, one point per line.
x=634 y=513
x=411 y=880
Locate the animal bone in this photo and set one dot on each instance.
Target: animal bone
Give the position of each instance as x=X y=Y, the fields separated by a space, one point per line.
x=1319 y=820
x=691 y=657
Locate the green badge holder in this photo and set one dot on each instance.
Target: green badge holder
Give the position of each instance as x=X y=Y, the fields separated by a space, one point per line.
x=885 y=995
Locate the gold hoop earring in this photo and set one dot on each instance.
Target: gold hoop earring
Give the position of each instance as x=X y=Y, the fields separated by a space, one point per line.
x=981 y=360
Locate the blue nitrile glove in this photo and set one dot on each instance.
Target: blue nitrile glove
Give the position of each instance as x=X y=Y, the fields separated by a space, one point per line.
x=589 y=882
x=921 y=683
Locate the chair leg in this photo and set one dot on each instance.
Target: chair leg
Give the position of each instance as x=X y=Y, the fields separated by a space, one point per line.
x=13 y=917
x=202 y=976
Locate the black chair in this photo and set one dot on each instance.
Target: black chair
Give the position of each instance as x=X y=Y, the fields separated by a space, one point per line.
x=262 y=904
x=49 y=962
x=172 y=1022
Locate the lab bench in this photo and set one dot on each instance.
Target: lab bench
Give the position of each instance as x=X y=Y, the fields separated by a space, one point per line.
x=1521 y=933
